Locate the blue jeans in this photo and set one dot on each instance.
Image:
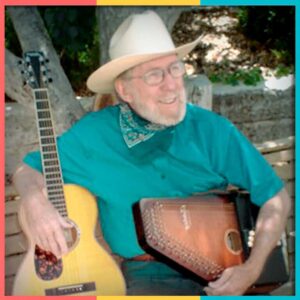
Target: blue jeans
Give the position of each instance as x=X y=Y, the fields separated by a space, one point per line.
x=156 y=278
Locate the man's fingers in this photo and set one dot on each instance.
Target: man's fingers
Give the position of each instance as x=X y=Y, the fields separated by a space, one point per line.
x=42 y=243
x=234 y=281
x=48 y=243
x=50 y=237
x=210 y=291
x=221 y=280
x=58 y=240
x=221 y=290
x=47 y=228
x=65 y=223
x=61 y=237
x=53 y=246
x=41 y=238
x=61 y=242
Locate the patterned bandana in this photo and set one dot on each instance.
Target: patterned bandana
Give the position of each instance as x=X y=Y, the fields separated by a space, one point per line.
x=135 y=129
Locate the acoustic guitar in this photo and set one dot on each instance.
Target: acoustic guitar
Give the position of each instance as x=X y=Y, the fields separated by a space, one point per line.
x=87 y=269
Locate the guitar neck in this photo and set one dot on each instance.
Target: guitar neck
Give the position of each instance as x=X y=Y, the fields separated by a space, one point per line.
x=49 y=154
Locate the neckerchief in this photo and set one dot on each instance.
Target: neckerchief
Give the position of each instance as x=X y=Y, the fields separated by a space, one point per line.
x=134 y=128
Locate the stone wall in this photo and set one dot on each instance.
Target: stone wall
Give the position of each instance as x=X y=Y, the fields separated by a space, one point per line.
x=264 y=112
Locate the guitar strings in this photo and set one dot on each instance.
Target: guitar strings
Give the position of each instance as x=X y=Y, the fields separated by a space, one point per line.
x=53 y=175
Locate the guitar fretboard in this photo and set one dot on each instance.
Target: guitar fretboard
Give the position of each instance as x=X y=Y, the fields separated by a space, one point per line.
x=50 y=159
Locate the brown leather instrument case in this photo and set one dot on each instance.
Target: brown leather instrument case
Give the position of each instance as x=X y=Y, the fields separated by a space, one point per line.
x=205 y=234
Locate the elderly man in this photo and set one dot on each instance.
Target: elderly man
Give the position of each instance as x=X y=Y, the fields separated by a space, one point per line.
x=153 y=144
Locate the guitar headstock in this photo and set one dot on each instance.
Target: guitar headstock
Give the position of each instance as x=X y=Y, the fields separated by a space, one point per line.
x=34 y=69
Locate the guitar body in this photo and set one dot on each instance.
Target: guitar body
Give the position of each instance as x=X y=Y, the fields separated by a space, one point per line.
x=87 y=269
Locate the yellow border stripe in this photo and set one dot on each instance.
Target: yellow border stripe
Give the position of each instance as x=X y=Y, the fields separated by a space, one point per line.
x=148 y=298
x=148 y=2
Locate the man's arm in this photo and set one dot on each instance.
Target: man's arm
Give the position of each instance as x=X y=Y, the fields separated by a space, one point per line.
x=270 y=225
x=44 y=222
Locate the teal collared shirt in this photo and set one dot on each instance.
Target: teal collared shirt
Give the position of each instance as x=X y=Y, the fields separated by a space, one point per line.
x=205 y=151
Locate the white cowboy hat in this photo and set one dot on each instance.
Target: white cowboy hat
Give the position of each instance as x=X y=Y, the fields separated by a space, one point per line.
x=140 y=38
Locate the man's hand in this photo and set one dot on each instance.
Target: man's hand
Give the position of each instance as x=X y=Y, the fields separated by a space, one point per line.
x=269 y=227
x=45 y=224
x=234 y=281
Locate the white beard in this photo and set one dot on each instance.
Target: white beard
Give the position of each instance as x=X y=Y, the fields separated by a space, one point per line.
x=154 y=115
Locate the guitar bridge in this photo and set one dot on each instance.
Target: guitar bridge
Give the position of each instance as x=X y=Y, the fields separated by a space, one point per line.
x=71 y=289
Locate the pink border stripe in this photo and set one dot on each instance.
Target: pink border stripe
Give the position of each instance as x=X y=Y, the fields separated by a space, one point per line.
x=50 y=2
x=2 y=121
x=2 y=136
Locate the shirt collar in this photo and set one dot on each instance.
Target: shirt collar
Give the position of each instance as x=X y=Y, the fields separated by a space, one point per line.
x=134 y=128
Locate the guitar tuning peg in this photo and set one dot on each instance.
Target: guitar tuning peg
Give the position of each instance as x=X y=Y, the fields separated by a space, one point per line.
x=50 y=80
x=20 y=62
x=251 y=239
x=252 y=233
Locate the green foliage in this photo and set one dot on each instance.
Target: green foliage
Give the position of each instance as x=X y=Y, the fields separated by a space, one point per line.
x=273 y=27
x=71 y=28
x=11 y=40
x=283 y=70
x=74 y=35
x=73 y=31
x=248 y=77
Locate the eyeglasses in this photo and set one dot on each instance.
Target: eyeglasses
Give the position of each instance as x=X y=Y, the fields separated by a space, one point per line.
x=157 y=76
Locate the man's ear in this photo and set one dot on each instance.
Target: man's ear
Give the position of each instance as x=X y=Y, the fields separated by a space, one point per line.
x=123 y=89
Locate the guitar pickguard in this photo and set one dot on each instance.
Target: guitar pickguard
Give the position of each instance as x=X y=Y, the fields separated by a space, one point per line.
x=47 y=266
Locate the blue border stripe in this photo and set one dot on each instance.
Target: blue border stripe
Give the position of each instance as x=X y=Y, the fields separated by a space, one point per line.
x=248 y=2
x=297 y=107
x=254 y=297
x=297 y=180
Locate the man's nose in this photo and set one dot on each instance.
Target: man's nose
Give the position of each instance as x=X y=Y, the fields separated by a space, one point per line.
x=169 y=81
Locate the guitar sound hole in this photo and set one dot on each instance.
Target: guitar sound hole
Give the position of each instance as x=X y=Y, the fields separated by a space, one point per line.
x=47 y=266
x=233 y=241
x=72 y=235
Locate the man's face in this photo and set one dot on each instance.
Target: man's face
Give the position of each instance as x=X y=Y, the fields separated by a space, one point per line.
x=163 y=103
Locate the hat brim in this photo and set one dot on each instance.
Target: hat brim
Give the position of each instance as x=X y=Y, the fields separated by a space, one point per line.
x=102 y=80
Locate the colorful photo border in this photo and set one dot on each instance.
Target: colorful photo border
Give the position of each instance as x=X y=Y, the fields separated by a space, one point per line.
x=5 y=3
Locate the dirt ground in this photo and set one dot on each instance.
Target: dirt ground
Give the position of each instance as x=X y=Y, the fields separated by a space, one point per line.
x=224 y=47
